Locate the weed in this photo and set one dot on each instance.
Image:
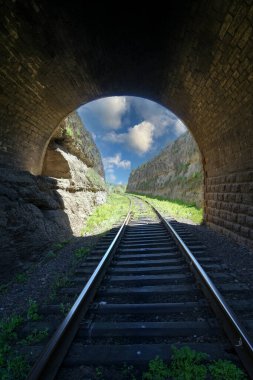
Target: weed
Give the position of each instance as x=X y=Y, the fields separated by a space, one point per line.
x=36 y=336
x=225 y=370
x=7 y=329
x=69 y=131
x=3 y=288
x=81 y=252
x=50 y=255
x=127 y=372
x=57 y=246
x=186 y=364
x=99 y=373
x=32 y=312
x=157 y=370
x=17 y=369
x=21 y=278
x=64 y=308
x=8 y=334
x=106 y=215
x=59 y=282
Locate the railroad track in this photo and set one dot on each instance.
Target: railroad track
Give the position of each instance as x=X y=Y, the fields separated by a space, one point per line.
x=148 y=292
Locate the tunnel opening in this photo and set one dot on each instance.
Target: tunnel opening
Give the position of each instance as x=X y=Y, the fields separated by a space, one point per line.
x=147 y=147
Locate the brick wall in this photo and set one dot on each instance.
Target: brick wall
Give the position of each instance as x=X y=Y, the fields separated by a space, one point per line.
x=229 y=205
x=196 y=59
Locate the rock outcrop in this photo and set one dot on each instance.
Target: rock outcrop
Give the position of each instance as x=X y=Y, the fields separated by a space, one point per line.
x=176 y=173
x=37 y=211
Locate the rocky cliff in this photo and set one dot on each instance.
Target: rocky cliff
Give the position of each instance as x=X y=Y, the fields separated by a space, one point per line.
x=37 y=211
x=176 y=173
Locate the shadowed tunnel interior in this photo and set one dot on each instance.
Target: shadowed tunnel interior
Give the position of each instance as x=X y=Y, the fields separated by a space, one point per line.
x=195 y=59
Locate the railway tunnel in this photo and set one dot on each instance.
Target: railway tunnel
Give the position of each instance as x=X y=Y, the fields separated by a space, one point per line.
x=194 y=58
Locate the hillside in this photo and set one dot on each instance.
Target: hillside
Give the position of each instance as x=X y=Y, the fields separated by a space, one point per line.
x=38 y=211
x=176 y=173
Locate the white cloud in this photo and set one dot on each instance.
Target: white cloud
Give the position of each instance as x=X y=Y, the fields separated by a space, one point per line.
x=109 y=111
x=115 y=161
x=156 y=114
x=159 y=116
x=140 y=137
x=179 y=127
x=115 y=137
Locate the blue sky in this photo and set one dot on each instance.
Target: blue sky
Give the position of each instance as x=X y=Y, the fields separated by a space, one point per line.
x=128 y=132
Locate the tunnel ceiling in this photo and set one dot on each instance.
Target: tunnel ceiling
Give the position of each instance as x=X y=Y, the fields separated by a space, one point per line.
x=194 y=58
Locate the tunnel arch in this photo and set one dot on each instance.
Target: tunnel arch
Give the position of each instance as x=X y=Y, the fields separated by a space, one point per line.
x=196 y=60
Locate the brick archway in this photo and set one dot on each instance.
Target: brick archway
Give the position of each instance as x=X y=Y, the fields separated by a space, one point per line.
x=195 y=59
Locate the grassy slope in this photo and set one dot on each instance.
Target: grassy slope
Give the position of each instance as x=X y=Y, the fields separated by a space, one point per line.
x=104 y=216
x=176 y=209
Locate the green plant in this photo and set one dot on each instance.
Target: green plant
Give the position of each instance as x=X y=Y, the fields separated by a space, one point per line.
x=58 y=246
x=106 y=215
x=127 y=372
x=59 y=282
x=69 y=131
x=8 y=335
x=157 y=370
x=36 y=336
x=7 y=329
x=81 y=252
x=32 y=312
x=50 y=255
x=99 y=372
x=225 y=370
x=3 y=288
x=64 y=308
x=186 y=364
x=17 y=369
x=21 y=278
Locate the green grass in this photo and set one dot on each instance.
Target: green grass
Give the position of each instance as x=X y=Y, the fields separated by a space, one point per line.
x=188 y=364
x=21 y=278
x=64 y=308
x=12 y=366
x=32 y=312
x=36 y=336
x=59 y=282
x=157 y=370
x=225 y=370
x=16 y=368
x=82 y=252
x=106 y=215
x=176 y=208
x=69 y=131
x=3 y=288
x=8 y=329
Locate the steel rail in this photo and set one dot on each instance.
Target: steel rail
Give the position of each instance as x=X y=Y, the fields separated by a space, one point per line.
x=52 y=356
x=230 y=322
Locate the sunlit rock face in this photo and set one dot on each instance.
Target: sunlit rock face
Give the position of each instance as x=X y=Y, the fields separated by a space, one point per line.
x=176 y=173
x=37 y=211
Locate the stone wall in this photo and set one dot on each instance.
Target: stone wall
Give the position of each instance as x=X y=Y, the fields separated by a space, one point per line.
x=176 y=173
x=38 y=211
